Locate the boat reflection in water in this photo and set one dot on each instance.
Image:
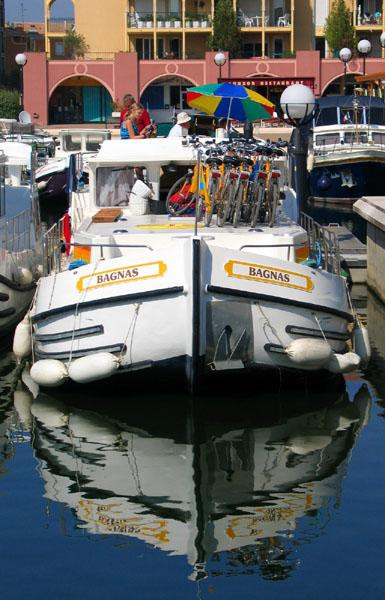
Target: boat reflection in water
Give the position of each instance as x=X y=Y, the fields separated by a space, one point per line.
x=233 y=486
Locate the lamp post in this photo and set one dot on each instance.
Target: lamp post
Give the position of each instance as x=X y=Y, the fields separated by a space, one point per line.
x=364 y=47
x=297 y=103
x=21 y=61
x=345 y=55
x=220 y=60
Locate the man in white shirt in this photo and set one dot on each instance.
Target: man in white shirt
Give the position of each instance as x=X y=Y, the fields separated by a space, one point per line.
x=183 y=122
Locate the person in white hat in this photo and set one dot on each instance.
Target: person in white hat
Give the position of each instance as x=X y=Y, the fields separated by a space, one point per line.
x=181 y=127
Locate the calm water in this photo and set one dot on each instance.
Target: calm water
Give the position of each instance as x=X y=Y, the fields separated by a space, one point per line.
x=244 y=494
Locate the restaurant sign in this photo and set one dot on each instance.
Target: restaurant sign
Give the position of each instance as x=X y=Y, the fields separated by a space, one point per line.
x=270 y=82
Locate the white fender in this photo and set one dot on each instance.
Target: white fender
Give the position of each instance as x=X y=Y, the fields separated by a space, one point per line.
x=305 y=443
x=343 y=363
x=22 y=342
x=362 y=343
x=93 y=428
x=50 y=411
x=93 y=367
x=309 y=354
x=310 y=161
x=22 y=400
x=24 y=276
x=49 y=372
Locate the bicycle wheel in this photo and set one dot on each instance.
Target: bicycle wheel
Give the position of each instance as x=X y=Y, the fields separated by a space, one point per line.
x=223 y=205
x=257 y=206
x=175 y=209
x=238 y=205
x=213 y=193
x=273 y=202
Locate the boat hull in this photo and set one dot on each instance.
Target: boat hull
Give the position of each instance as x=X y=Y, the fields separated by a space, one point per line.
x=345 y=182
x=192 y=308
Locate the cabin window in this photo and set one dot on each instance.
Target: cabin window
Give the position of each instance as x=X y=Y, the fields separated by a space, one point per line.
x=375 y=115
x=378 y=138
x=352 y=116
x=327 y=116
x=94 y=141
x=327 y=139
x=72 y=143
x=113 y=186
x=356 y=137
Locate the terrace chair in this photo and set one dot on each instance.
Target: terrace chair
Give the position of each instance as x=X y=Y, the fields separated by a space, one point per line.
x=284 y=21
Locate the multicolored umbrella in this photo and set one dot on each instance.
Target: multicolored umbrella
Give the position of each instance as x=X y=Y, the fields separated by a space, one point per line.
x=230 y=101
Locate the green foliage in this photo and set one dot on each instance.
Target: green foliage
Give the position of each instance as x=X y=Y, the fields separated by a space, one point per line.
x=339 y=30
x=75 y=45
x=225 y=34
x=9 y=104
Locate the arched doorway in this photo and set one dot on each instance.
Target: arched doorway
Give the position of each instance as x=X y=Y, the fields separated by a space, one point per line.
x=165 y=97
x=79 y=99
x=336 y=87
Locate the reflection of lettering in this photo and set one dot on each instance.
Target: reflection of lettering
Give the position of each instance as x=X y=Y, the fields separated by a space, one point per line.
x=266 y=274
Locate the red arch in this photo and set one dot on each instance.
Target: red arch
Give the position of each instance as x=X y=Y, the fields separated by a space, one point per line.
x=86 y=75
x=167 y=75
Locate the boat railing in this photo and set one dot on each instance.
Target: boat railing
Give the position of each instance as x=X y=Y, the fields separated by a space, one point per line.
x=323 y=244
x=16 y=232
x=52 y=247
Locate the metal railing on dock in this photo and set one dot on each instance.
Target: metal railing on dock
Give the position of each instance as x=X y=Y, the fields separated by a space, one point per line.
x=323 y=244
x=52 y=248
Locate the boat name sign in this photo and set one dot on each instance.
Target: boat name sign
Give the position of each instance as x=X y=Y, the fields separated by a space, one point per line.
x=121 y=275
x=266 y=274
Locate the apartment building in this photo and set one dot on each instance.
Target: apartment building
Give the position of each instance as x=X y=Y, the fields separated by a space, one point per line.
x=2 y=41
x=368 y=19
x=156 y=49
x=174 y=28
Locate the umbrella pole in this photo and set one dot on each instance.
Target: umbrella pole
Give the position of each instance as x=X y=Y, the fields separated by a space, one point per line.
x=228 y=118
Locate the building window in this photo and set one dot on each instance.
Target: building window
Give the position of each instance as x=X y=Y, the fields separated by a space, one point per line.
x=278 y=48
x=145 y=48
x=59 y=49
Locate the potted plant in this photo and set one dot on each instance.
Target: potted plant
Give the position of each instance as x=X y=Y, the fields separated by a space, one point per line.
x=167 y=22
x=204 y=21
x=196 y=22
x=116 y=108
x=140 y=22
x=188 y=21
x=149 y=21
x=177 y=22
x=160 y=20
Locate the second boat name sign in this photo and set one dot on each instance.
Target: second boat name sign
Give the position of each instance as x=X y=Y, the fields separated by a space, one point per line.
x=266 y=274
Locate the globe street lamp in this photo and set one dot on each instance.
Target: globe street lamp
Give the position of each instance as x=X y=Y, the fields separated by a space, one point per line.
x=345 y=55
x=297 y=103
x=364 y=47
x=21 y=61
x=220 y=60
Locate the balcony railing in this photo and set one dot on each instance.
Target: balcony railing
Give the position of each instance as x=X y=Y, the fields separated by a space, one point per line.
x=60 y=25
x=246 y=20
x=86 y=56
x=167 y=21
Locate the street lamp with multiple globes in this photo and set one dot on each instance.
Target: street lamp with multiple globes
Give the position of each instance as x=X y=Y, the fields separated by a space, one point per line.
x=21 y=61
x=364 y=47
x=220 y=60
x=345 y=55
x=297 y=103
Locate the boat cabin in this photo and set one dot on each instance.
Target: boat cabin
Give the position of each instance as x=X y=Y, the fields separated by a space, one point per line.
x=341 y=120
x=81 y=140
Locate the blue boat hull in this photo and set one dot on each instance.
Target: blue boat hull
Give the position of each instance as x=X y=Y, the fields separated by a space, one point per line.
x=347 y=181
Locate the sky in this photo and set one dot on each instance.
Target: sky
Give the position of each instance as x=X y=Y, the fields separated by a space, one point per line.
x=34 y=9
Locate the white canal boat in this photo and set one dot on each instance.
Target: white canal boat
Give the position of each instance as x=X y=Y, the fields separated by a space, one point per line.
x=151 y=291
x=19 y=231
